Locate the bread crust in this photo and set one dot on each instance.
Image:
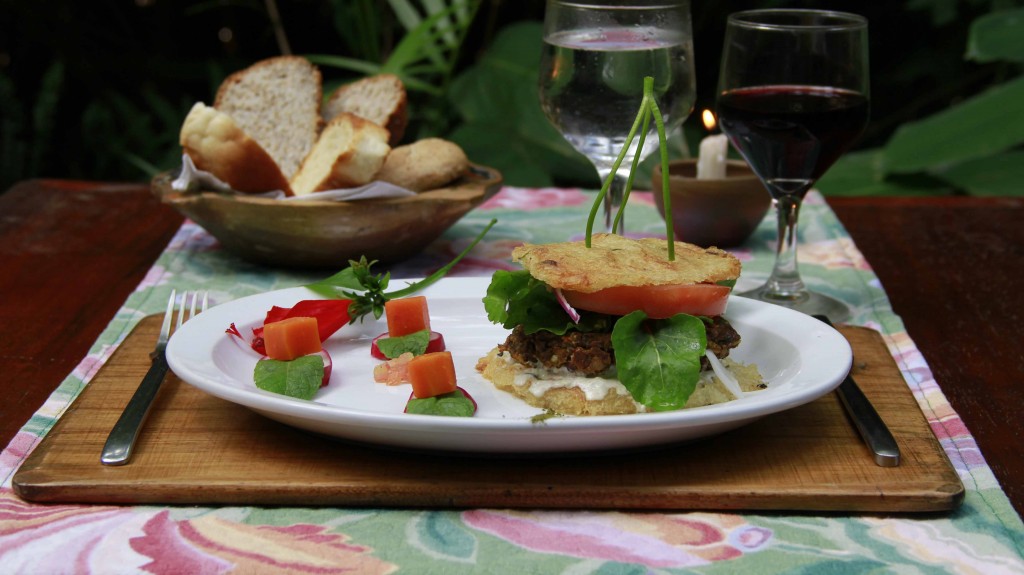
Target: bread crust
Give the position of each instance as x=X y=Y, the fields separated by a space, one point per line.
x=380 y=98
x=614 y=260
x=423 y=165
x=217 y=145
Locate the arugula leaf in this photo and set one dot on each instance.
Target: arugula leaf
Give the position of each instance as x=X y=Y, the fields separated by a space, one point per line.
x=517 y=298
x=414 y=343
x=658 y=361
x=366 y=290
x=454 y=404
x=298 y=378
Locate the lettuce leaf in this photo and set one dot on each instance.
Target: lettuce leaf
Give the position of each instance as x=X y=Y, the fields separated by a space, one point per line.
x=658 y=360
x=517 y=298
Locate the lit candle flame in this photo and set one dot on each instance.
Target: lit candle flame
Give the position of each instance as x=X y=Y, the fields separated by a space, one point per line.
x=709 y=119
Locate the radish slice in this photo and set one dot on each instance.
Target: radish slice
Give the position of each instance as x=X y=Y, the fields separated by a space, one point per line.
x=436 y=343
x=724 y=375
x=573 y=314
x=328 y=364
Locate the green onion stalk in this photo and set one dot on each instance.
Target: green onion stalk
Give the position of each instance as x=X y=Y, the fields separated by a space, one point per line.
x=648 y=109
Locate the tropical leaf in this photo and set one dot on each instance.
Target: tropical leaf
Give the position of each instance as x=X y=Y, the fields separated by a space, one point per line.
x=860 y=174
x=360 y=27
x=13 y=146
x=502 y=122
x=998 y=36
x=343 y=63
x=986 y=124
x=436 y=39
x=44 y=115
x=999 y=175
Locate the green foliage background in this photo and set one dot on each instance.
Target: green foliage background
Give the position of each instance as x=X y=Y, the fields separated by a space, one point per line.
x=97 y=90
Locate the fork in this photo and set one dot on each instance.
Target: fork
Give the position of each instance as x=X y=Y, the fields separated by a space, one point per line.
x=118 y=448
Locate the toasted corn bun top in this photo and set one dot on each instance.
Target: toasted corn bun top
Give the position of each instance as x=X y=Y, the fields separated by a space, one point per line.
x=614 y=260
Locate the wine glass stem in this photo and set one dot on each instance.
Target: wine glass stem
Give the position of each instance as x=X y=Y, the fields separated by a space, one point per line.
x=613 y=199
x=785 y=282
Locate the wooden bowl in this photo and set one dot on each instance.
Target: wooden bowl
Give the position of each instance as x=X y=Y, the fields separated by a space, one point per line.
x=322 y=234
x=720 y=213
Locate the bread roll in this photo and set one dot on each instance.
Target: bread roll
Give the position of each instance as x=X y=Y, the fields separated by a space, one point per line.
x=424 y=165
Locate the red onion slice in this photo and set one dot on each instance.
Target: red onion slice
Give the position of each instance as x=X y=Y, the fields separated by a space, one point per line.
x=573 y=315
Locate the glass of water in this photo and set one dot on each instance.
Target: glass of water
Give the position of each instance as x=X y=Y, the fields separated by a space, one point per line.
x=596 y=55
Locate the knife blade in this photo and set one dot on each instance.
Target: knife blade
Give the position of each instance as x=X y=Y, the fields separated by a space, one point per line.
x=869 y=424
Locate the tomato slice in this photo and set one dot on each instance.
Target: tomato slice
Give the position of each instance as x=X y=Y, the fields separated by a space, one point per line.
x=658 y=302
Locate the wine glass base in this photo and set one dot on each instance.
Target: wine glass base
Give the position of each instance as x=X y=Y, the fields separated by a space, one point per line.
x=808 y=302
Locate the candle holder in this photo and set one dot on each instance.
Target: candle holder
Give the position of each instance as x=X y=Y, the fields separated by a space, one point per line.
x=712 y=212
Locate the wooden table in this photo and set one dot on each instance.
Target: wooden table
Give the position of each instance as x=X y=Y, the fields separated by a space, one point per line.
x=951 y=267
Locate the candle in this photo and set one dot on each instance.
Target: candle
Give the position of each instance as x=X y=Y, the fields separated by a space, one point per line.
x=711 y=158
x=713 y=150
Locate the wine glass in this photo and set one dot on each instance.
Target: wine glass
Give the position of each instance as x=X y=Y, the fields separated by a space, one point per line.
x=596 y=55
x=792 y=97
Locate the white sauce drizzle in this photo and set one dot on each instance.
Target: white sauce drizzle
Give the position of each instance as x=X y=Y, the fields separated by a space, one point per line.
x=541 y=380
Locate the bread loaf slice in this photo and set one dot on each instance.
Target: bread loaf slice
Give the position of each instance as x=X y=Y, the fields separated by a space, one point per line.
x=277 y=103
x=424 y=164
x=348 y=153
x=381 y=99
x=217 y=145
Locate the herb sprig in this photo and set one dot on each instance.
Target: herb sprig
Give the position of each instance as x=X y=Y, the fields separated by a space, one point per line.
x=367 y=290
x=648 y=109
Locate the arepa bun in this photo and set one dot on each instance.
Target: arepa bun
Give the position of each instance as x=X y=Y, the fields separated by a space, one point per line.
x=614 y=260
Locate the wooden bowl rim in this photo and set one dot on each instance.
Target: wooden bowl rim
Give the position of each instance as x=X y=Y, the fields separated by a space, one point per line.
x=485 y=178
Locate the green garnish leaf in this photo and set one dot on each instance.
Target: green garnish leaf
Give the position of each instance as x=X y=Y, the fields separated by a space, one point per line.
x=367 y=291
x=299 y=378
x=414 y=343
x=454 y=404
x=658 y=361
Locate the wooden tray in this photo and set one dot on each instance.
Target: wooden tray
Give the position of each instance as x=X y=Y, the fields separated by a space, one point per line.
x=198 y=449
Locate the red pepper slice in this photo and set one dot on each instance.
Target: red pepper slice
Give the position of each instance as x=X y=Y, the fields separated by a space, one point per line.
x=331 y=315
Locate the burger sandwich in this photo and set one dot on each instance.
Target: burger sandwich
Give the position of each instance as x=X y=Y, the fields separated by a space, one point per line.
x=616 y=327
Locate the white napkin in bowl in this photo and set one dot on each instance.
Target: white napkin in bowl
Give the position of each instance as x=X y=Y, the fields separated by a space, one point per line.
x=191 y=176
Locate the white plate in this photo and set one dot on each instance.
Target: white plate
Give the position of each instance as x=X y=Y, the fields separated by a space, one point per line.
x=800 y=357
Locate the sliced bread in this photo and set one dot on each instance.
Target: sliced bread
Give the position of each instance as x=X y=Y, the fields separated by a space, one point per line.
x=380 y=99
x=276 y=102
x=348 y=153
x=215 y=143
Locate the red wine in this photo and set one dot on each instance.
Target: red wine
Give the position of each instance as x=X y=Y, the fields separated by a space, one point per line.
x=790 y=135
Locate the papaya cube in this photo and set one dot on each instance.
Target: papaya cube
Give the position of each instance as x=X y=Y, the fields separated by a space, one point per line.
x=432 y=374
x=291 y=338
x=407 y=315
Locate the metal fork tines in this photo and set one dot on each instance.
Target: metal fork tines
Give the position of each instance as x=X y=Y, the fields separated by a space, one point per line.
x=121 y=440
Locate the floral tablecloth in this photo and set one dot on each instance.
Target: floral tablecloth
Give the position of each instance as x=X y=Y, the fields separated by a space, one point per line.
x=985 y=535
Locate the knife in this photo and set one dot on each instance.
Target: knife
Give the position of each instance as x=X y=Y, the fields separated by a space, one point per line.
x=870 y=426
